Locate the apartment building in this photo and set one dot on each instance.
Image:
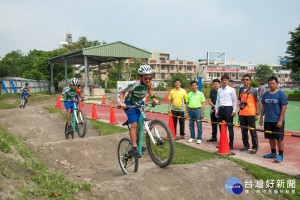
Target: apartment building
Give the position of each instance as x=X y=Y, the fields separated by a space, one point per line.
x=282 y=73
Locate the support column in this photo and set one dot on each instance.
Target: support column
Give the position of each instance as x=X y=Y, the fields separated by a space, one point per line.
x=119 y=72
x=147 y=61
x=66 y=72
x=99 y=75
x=52 y=88
x=86 y=89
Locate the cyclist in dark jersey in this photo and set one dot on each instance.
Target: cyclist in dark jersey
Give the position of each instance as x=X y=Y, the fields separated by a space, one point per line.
x=25 y=91
x=136 y=93
x=69 y=96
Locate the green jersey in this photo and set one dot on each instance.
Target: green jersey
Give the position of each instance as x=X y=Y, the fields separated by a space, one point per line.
x=136 y=91
x=69 y=94
x=25 y=90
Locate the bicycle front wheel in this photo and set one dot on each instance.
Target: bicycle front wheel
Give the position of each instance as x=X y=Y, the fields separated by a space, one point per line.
x=23 y=103
x=81 y=125
x=127 y=163
x=162 y=152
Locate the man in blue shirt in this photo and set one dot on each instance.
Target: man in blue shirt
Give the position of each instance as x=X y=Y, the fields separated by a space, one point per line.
x=274 y=104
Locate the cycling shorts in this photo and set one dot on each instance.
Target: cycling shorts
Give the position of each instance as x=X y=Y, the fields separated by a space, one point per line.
x=24 y=95
x=69 y=105
x=133 y=114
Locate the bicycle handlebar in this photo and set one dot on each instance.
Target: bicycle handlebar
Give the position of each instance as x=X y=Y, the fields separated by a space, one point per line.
x=129 y=107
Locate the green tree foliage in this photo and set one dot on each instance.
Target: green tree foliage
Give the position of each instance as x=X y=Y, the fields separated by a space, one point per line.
x=9 y=65
x=83 y=42
x=263 y=72
x=293 y=50
x=295 y=76
x=254 y=84
x=185 y=83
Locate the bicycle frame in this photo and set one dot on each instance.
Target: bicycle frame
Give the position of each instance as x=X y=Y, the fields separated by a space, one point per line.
x=140 y=127
x=74 y=118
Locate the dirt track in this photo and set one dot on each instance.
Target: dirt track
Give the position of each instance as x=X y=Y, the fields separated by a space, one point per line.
x=94 y=159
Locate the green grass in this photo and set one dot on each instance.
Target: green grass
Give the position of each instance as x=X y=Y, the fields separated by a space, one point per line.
x=17 y=99
x=102 y=128
x=41 y=182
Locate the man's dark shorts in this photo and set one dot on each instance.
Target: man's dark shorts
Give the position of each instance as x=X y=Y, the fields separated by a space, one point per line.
x=272 y=126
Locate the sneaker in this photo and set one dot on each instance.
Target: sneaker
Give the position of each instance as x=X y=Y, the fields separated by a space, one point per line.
x=199 y=141
x=134 y=152
x=191 y=140
x=253 y=151
x=212 y=140
x=244 y=148
x=270 y=155
x=278 y=159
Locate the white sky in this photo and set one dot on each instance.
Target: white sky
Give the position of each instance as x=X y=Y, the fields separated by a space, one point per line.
x=253 y=31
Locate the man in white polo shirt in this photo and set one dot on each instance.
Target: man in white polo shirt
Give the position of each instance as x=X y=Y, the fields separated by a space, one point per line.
x=226 y=105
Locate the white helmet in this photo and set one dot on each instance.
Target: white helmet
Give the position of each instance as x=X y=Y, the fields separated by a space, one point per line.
x=74 y=81
x=144 y=69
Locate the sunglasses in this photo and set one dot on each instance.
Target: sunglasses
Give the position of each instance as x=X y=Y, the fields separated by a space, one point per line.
x=245 y=79
x=145 y=79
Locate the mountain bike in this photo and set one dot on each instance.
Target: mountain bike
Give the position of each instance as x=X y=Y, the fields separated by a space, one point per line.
x=23 y=101
x=78 y=122
x=159 y=142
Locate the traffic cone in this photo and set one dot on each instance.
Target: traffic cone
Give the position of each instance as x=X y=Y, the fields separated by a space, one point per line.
x=159 y=90
x=224 y=145
x=112 y=116
x=80 y=105
x=57 y=102
x=171 y=126
x=60 y=106
x=94 y=112
x=166 y=97
x=103 y=99
x=146 y=99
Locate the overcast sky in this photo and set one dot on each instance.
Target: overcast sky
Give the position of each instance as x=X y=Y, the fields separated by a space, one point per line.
x=253 y=31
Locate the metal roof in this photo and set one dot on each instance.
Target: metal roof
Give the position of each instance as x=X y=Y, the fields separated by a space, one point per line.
x=102 y=53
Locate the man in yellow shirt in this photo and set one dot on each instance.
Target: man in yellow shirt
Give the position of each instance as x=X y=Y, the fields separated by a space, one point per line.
x=177 y=99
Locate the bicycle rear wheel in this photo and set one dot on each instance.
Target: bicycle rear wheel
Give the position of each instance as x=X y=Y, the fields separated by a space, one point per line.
x=161 y=153
x=127 y=163
x=67 y=134
x=81 y=125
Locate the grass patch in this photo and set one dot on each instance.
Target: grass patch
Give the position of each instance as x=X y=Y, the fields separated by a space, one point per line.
x=17 y=97
x=102 y=128
x=39 y=182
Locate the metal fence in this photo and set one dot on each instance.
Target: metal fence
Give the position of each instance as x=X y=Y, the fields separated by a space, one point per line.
x=14 y=84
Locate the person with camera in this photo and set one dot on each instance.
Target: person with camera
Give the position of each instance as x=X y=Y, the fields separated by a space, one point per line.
x=248 y=113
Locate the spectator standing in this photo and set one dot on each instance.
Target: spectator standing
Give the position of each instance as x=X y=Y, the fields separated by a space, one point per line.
x=177 y=99
x=195 y=109
x=261 y=91
x=248 y=113
x=274 y=104
x=226 y=105
x=212 y=102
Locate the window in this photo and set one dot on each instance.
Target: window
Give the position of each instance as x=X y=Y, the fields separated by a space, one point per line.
x=180 y=68
x=153 y=76
x=218 y=75
x=163 y=75
x=162 y=67
x=189 y=68
x=171 y=74
x=171 y=67
x=153 y=67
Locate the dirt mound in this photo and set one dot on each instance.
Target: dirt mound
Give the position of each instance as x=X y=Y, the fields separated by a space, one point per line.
x=94 y=159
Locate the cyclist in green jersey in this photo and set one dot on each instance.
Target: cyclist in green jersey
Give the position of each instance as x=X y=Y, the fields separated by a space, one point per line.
x=25 y=91
x=70 y=95
x=136 y=93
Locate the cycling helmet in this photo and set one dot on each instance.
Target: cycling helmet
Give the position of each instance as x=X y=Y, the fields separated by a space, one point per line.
x=144 y=69
x=74 y=81
x=26 y=84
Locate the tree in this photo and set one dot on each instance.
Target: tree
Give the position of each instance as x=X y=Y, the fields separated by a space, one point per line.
x=184 y=81
x=129 y=72
x=293 y=50
x=83 y=42
x=295 y=76
x=263 y=72
x=10 y=63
